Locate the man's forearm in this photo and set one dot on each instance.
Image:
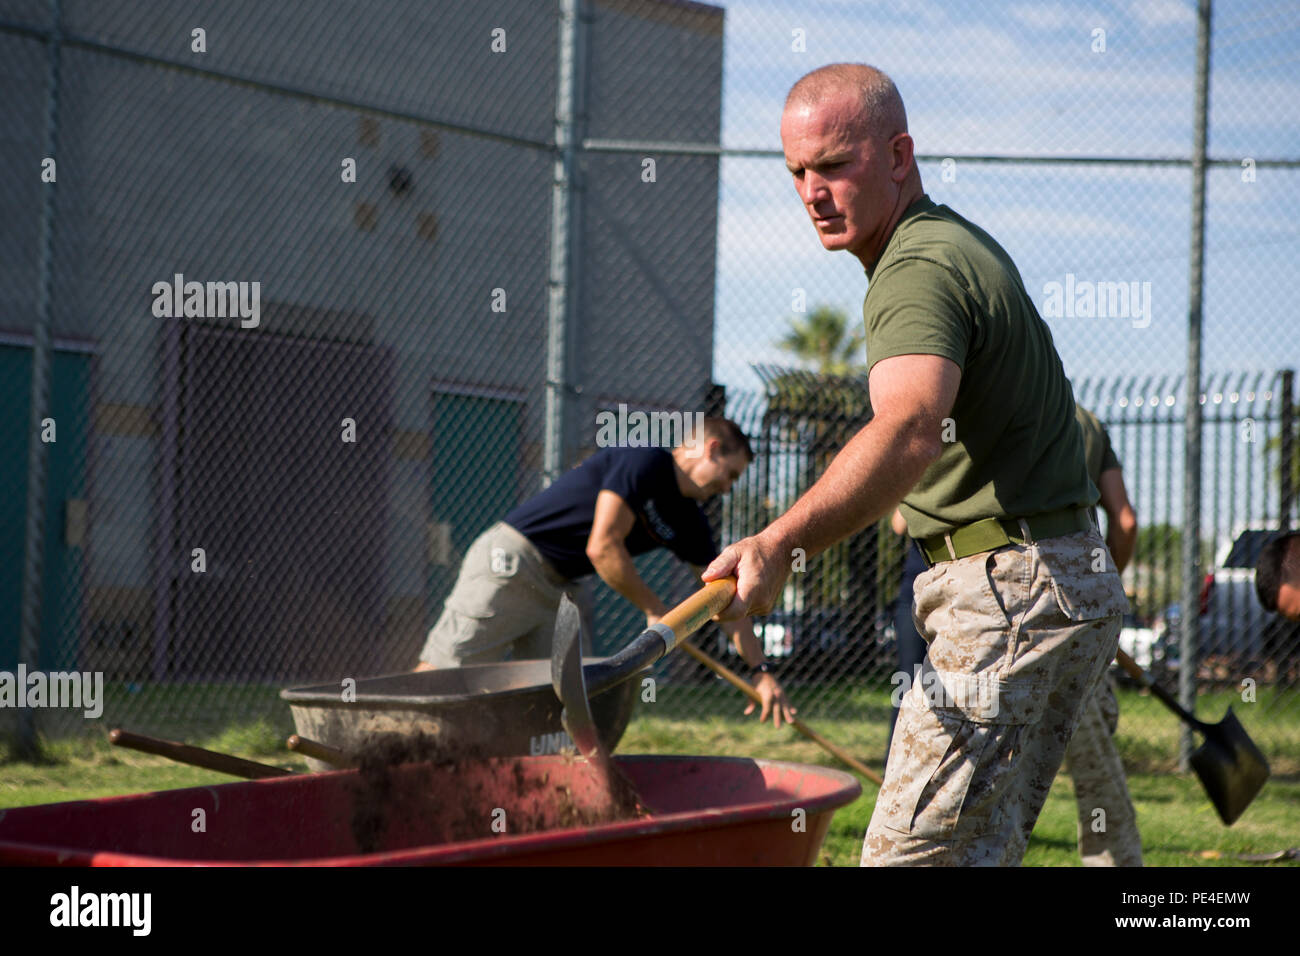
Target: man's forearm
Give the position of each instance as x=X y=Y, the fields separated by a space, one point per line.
x=869 y=476
x=615 y=566
x=1121 y=542
x=1121 y=519
x=742 y=636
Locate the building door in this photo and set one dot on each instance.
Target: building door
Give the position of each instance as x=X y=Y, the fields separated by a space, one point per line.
x=476 y=476
x=62 y=578
x=283 y=450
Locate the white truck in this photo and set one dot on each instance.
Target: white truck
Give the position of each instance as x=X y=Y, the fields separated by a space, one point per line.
x=1232 y=622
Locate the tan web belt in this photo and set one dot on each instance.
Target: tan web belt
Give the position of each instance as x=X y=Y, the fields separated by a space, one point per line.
x=991 y=533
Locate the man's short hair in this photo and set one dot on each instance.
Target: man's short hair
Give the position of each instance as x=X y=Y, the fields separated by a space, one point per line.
x=1269 y=570
x=729 y=435
x=880 y=105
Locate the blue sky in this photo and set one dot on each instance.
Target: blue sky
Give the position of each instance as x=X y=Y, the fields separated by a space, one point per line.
x=1022 y=78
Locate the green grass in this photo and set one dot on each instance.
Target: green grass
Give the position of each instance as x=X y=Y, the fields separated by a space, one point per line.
x=248 y=721
x=80 y=768
x=1148 y=735
x=1176 y=819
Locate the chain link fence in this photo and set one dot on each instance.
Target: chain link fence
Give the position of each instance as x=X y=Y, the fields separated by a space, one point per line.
x=309 y=295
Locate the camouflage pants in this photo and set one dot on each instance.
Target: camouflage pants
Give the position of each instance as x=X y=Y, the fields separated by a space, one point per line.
x=1109 y=838
x=1018 y=638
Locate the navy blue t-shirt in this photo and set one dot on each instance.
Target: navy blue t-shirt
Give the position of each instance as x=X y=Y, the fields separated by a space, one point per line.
x=558 y=521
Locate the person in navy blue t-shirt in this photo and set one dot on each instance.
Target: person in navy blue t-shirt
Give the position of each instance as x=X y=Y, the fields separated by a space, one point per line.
x=619 y=503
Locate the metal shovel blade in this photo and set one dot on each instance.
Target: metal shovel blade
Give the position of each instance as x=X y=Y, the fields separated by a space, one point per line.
x=1230 y=766
x=616 y=797
x=570 y=683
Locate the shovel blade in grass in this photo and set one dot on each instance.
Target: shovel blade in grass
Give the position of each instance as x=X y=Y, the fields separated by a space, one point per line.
x=1230 y=766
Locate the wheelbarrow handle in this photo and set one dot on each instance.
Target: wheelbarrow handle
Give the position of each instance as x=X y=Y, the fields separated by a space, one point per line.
x=319 y=751
x=195 y=756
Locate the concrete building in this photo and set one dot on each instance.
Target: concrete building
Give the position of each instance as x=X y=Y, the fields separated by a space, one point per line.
x=289 y=499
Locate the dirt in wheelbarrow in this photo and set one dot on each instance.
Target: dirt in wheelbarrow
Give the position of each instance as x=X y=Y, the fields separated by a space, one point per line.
x=417 y=790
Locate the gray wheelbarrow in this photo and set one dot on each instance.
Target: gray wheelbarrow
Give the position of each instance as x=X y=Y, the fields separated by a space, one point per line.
x=484 y=710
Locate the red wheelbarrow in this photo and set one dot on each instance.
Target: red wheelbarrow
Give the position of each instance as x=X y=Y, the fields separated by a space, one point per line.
x=702 y=811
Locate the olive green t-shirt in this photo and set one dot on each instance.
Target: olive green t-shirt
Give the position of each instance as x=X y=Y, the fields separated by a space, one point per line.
x=943 y=286
x=1096 y=445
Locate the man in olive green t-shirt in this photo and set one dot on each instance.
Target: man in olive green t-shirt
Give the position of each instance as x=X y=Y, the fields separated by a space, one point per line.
x=974 y=433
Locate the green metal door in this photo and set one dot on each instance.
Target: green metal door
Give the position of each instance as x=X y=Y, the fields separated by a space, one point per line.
x=62 y=585
x=476 y=471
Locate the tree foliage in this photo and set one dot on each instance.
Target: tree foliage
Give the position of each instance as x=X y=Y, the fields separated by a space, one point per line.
x=826 y=341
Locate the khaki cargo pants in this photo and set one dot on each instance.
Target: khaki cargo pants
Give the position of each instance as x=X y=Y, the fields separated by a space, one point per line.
x=1018 y=638
x=503 y=604
x=1108 y=838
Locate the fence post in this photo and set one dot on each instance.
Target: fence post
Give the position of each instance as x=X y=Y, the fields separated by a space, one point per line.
x=29 y=641
x=1192 y=421
x=560 y=313
x=1288 y=449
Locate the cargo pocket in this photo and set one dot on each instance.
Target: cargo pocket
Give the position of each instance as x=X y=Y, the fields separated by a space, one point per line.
x=953 y=753
x=1008 y=572
x=1083 y=576
x=931 y=794
x=483 y=588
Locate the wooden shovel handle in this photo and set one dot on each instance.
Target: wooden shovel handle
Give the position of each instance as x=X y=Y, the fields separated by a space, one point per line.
x=748 y=690
x=693 y=613
x=1135 y=671
x=661 y=637
x=1131 y=667
x=195 y=756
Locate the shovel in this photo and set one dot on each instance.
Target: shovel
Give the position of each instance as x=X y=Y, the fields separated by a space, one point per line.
x=573 y=682
x=1230 y=766
x=748 y=690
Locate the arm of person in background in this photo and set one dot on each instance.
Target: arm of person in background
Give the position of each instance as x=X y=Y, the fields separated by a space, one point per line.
x=911 y=395
x=897 y=523
x=608 y=554
x=741 y=632
x=1121 y=519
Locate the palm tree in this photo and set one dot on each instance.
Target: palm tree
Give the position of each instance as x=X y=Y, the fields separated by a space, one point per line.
x=824 y=339
x=819 y=408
